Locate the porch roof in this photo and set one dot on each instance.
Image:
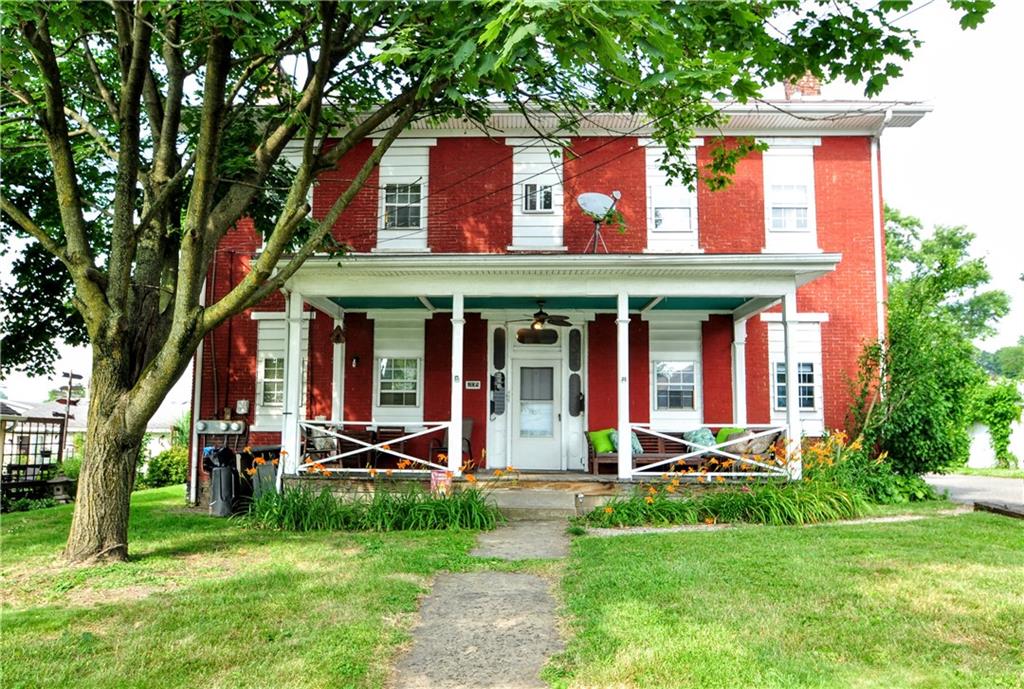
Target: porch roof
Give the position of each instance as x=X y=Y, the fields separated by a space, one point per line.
x=587 y=281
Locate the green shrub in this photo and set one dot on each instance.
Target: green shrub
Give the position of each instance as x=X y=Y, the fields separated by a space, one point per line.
x=303 y=509
x=71 y=467
x=168 y=468
x=850 y=466
x=27 y=504
x=764 y=503
x=998 y=405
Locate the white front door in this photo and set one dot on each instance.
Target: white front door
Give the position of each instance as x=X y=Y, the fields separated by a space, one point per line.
x=537 y=414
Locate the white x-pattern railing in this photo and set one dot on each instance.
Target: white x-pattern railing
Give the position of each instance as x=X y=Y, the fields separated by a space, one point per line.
x=333 y=433
x=717 y=450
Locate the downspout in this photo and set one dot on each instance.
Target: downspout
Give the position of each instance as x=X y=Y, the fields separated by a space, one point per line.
x=197 y=389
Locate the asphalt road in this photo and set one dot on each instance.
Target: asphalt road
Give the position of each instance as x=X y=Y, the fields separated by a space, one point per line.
x=971 y=489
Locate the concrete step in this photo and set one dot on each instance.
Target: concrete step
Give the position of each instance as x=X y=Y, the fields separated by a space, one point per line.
x=534 y=504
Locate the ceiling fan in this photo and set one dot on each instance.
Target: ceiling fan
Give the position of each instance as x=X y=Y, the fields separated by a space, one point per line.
x=542 y=318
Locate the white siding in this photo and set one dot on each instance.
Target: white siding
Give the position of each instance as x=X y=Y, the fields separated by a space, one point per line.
x=271 y=337
x=678 y=231
x=676 y=337
x=808 y=348
x=397 y=337
x=407 y=161
x=535 y=161
x=788 y=167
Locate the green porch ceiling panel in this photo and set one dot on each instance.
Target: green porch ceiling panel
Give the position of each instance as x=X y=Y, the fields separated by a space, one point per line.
x=364 y=303
x=699 y=303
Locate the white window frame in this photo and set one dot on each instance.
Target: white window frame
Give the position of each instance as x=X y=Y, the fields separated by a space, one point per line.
x=786 y=165
x=663 y=193
x=655 y=386
x=400 y=188
x=779 y=386
x=267 y=417
x=536 y=192
x=379 y=383
x=262 y=379
x=406 y=163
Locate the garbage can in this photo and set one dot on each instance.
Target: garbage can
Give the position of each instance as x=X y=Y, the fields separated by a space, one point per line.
x=223 y=480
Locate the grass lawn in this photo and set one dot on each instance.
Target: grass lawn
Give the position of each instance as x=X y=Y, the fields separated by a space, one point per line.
x=207 y=603
x=930 y=604
x=998 y=472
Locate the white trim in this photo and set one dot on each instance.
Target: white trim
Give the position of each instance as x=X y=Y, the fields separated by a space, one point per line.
x=805 y=317
x=794 y=433
x=408 y=141
x=695 y=142
x=739 y=372
x=625 y=450
x=535 y=249
x=789 y=141
x=277 y=315
x=338 y=375
x=455 y=424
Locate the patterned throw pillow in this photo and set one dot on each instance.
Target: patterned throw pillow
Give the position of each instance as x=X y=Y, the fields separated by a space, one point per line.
x=638 y=449
x=700 y=436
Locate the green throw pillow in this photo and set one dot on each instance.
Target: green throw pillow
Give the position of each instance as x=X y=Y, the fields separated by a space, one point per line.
x=602 y=441
x=724 y=434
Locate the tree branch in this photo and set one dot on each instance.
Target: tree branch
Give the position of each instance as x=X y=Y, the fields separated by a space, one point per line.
x=26 y=223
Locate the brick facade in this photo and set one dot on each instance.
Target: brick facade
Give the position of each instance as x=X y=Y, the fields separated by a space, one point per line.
x=469 y=210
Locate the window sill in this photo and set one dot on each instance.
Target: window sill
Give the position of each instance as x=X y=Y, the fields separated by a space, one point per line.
x=537 y=249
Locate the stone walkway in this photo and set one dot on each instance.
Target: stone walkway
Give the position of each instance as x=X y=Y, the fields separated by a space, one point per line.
x=489 y=629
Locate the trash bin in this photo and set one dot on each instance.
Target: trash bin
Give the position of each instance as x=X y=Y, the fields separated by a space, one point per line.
x=223 y=479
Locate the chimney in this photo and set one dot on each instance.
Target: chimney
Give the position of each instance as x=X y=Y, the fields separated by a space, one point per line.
x=806 y=86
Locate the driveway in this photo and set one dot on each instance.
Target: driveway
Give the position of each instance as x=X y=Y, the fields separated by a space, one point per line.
x=970 y=489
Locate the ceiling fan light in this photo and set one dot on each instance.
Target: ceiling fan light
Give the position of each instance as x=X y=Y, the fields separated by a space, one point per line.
x=537 y=325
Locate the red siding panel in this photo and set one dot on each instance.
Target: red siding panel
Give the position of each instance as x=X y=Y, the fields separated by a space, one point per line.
x=731 y=221
x=716 y=354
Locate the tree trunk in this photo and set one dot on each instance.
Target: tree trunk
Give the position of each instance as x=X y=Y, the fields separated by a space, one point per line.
x=99 y=528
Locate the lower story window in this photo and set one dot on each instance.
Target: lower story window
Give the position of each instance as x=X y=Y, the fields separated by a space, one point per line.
x=398 y=382
x=804 y=381
x=273 y=382
x=674 y=385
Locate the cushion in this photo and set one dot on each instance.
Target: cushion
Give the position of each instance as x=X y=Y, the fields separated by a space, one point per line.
x=701 y=436
x=739 y=446
x=638 y=449
x=601 y=441
x=759 y=446
x=725 y=432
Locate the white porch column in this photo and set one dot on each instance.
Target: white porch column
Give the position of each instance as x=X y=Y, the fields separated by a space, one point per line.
x=290 y=433
x=790 y=324
x=622 y=368
x=338 y=376
x=455 y=429
x=739 y=372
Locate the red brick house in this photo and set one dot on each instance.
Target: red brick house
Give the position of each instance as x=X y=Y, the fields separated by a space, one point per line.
x=690 y=317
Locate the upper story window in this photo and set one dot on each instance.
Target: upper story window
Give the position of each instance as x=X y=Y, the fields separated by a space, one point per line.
x=804 y=385
x=671 y=206
x=537 y=198
x=402 y=206
x=789 y=195
x=404 y=177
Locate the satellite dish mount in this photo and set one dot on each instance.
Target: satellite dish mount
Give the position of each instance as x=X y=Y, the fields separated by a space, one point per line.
x=599 y=207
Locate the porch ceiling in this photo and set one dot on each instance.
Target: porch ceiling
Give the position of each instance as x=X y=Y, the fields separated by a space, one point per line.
x=551 y=304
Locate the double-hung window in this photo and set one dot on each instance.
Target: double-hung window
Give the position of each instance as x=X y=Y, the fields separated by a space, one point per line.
x=805 y=385
x=402 y=207
x=398 y=382
x=675 y=385
x=273 y=381
x=789 y=207
x=537 y=198
x=671 y=205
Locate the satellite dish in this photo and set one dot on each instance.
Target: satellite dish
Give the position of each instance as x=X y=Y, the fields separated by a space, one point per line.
x=595 y=204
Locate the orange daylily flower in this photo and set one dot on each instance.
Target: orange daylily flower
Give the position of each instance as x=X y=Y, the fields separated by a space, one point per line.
x=259 y=460
x=498 y=472
x=274 y=461
x=670 y=489
x=251 y=472
x=609 y=510
x=442 y=457
x=720 y=479
x=373 y=472
x=649 y=500
x=388 y=472
x=470 y=478
x=709 y=520
x=404 y=463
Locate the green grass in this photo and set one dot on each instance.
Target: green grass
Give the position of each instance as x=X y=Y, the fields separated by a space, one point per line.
x=930 y=604
x=207 y=603
x=998 y=472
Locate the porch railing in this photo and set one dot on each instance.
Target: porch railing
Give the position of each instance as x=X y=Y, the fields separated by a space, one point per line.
x=727 y=458
x=325 y=445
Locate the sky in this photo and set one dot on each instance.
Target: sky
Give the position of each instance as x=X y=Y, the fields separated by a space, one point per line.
x=959 y=166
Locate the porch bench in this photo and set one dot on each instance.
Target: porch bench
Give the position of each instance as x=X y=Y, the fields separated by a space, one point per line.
x=655 y=450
